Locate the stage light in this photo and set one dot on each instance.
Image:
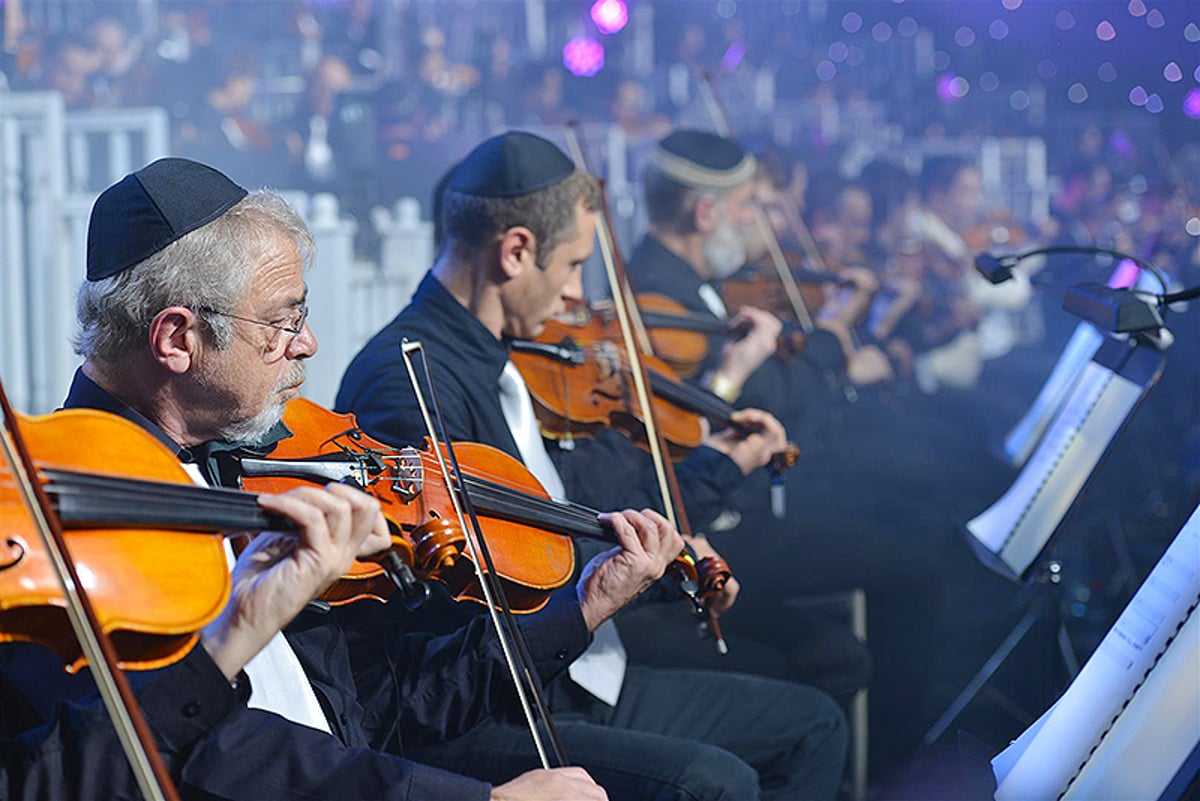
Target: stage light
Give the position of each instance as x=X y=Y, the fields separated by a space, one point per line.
x=610 y=16
x=583 y=56
x=1191 y=104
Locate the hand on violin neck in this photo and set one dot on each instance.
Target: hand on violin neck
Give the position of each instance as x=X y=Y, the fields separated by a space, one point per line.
x=743 y=355
x=751 y=441
x=278 y=573
x=648 y=544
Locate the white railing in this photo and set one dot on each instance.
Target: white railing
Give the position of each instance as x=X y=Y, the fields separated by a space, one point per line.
x=53 y=164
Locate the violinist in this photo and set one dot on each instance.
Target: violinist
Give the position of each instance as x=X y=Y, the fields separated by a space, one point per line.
x=193 y=325
x=519 y=220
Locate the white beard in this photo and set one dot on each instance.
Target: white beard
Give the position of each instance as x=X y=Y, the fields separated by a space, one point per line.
x=253 y=429
x=725 y=250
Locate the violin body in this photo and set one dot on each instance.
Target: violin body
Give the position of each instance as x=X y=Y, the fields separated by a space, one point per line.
x=582 y=399
x=531 y=562
x=758 y=286
x=152 y=588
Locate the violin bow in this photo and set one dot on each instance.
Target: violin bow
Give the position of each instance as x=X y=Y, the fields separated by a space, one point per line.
x=512 y=643
x=629 y=318
x=128 y=721
x=720 y=119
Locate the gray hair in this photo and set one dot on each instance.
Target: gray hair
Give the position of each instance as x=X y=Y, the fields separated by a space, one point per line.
x=209 y=268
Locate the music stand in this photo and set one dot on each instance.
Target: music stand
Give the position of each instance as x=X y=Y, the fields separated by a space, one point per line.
x=1129 y=724
x=1012 y=536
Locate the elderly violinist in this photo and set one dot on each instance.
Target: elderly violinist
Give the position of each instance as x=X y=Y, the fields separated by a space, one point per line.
x=193 y=325
x=519 y=221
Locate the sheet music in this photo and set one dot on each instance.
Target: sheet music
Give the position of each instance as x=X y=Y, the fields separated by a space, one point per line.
x=1132 y=715
x=1018 y=525
x=1024 y=436
x=1082 y=345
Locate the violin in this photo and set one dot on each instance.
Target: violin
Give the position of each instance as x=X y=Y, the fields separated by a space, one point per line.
x=679 y=337
x=147 y=539
x=757 y=286
x=530 y=535
x=580 y=388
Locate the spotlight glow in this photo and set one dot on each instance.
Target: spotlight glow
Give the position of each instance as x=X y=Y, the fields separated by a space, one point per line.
x=951 y=88
x=583 y=56
x=1191 y=106
x=610 y=16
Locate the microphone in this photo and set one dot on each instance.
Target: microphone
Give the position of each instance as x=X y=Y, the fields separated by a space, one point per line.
x=997 y=268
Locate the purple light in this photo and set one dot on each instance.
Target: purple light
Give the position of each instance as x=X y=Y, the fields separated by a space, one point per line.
x=907 y=27
x=1172 y=72
x=1191 y=104
x=733 y=56
x=1125 y=276
x=826 y=70
x=881 y=32
x=1137 y=96
x=1121 y=144
x=1155 y=19
x=1105 y=31
x=1154 y=104
x=951 y=88
x=583 y=56
x=852 y=22
x=1137 y=8
x=610 y=16
x=1011 y=5
x=838 y=52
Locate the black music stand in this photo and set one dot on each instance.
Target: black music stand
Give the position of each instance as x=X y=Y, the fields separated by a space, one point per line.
x=1014 y=535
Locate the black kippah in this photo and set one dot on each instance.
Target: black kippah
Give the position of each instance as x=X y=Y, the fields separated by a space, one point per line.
x=703 y=159
x=511 y=164
x=144 y=212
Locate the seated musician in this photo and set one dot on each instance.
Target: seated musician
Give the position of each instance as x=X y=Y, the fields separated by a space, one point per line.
x=193 y=325
x=519 y=221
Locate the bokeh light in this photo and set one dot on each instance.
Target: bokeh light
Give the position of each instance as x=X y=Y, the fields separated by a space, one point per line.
x=1155 y=19
x=1106 y=72
x=951 y=88
x=1137 y=8
x=856 y=56
x=1192 y=32
x=726 y=9
x=583 y=56
x=1154 y=104
x=998 y=29
x=941 y=60
x=1192 y=226
x=964 y=37
x=1019 y=100
x=852 y=22
x=1172 y=72
x=1047 y=69
x=1078 y=93
x=1105 y=31
x=989 y=81
x=1011 y=5
x=907 y=27
x=610 y=16
x=1137 y=96
x=826 y=70
x=1191 y=104
x=1064 y=20
x=838 y=52
x=881 y=32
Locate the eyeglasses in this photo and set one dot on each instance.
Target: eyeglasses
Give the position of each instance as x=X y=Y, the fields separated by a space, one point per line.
x=279 y=344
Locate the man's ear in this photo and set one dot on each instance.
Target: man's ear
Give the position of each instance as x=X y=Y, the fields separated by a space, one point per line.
x=517 y=251
x=704 y=216
x=175 y=338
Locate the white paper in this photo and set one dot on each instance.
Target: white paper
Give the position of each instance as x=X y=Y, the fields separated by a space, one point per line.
x=1070 y=734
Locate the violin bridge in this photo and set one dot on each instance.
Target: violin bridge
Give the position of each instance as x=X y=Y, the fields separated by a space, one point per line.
x=408 y=474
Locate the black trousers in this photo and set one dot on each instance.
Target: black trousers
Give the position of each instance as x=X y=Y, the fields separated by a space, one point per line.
x=677 y=735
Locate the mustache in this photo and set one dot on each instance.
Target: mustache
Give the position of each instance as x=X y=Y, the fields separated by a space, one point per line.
x=294 y=377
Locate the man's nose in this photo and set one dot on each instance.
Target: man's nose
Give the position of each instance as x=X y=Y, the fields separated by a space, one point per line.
x=304 y=344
